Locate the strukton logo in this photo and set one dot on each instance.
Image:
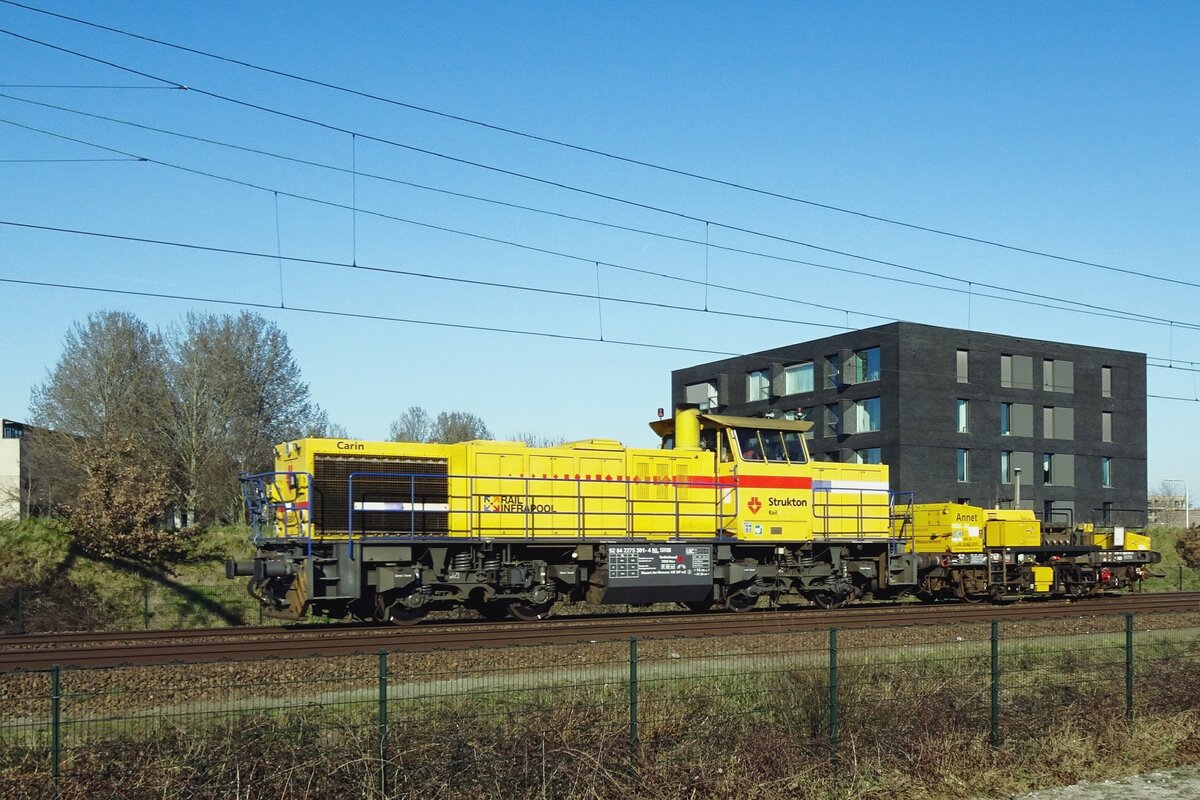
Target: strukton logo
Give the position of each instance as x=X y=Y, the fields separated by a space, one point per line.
x=754 y=505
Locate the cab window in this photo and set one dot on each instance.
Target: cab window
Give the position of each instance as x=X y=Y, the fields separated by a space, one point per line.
x=775 y=447
x=750 y=445
x=793 y=443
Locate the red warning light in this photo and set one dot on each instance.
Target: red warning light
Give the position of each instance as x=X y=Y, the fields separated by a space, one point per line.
x=661 y=414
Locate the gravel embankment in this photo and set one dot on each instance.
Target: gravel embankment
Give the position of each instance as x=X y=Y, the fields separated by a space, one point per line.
x=1173 y=784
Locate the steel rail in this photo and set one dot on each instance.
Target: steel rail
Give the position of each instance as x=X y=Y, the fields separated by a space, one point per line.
x=272 y=642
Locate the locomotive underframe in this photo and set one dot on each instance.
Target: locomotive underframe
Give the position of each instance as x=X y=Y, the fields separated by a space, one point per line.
x=396 y=581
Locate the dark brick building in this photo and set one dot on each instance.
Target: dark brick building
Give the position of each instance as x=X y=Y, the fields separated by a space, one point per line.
x=957 y=415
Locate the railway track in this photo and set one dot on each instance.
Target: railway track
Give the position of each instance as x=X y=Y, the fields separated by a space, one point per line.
x=145 y=648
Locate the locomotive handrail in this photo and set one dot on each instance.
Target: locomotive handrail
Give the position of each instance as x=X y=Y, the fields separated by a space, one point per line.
x=855 y=509
x=905 y=518
x=474 y=502
x=256 y=494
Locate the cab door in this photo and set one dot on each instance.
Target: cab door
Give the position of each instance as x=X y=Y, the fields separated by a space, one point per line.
x=773 y=486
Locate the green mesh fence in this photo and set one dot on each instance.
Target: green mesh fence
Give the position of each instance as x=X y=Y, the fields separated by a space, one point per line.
x=822 y=714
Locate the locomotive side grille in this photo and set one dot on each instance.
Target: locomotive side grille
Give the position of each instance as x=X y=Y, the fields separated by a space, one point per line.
x=428 y=486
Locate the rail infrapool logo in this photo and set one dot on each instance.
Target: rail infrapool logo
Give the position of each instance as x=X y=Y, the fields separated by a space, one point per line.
x=754 y=505
x=514 y=505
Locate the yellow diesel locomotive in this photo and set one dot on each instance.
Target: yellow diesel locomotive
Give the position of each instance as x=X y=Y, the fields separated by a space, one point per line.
x=729 y=510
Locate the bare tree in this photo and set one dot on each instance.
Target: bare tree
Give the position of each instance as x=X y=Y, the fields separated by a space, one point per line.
x=237 y=392
x=413 y=425
x=102 y=445
x=459 y=426
x=109 y=382
x=535 y=440
x=197 y=406
x=110 y=379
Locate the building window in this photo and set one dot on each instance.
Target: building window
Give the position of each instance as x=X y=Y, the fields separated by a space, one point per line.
x=961 y=415
x=798 y=378
x=833 y=418
x=758 y=385
x=833 y=371
x=866 y=415
x=13 y=430
x=868 y=455
x=1058 y=422
x=1016 y=372
x=1106 y=426
x=1106 y=381
x=1058 y=375
x=1010 y=462
x=1016 y=419
x=863 y=366
x=1058 y=469
x=961 y=364
x=961 y=466
x=702 y=394
x=1106 y=472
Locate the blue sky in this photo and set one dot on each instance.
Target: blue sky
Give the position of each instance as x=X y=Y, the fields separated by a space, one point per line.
x=1065 y=128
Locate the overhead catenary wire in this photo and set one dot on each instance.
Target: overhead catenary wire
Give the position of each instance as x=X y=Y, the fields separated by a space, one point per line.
x=280 y=258
x=738 y=185
x=364 y=316
x=408 y=321
x=706 y=243
x=82 y=86
x=1043 y=301
x=527 y=176
x=64 y=160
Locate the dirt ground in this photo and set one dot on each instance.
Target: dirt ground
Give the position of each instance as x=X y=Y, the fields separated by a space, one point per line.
x=1174 y=784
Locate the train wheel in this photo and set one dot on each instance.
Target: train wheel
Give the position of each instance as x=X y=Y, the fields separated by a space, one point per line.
x=530 y=612
x=830 y=599
x=396 y=612
x=406 y=616
x=740 y=602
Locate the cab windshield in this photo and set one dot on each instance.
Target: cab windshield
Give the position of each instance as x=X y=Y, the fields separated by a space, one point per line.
x=770 y=446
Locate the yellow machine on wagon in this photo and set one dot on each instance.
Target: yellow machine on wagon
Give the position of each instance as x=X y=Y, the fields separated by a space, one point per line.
x=995 y=553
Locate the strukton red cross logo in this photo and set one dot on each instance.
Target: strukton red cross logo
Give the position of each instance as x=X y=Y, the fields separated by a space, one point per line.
x=754 y=505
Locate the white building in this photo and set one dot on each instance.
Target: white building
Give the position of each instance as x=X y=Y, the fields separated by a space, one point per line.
x=14 y=473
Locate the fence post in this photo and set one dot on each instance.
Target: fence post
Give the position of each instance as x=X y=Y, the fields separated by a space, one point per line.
x=1129 y=668
x=833 y=697
x=995 y=730
x=55 y=725
x=383 y=722
x=633 y=692
x=146 y=606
